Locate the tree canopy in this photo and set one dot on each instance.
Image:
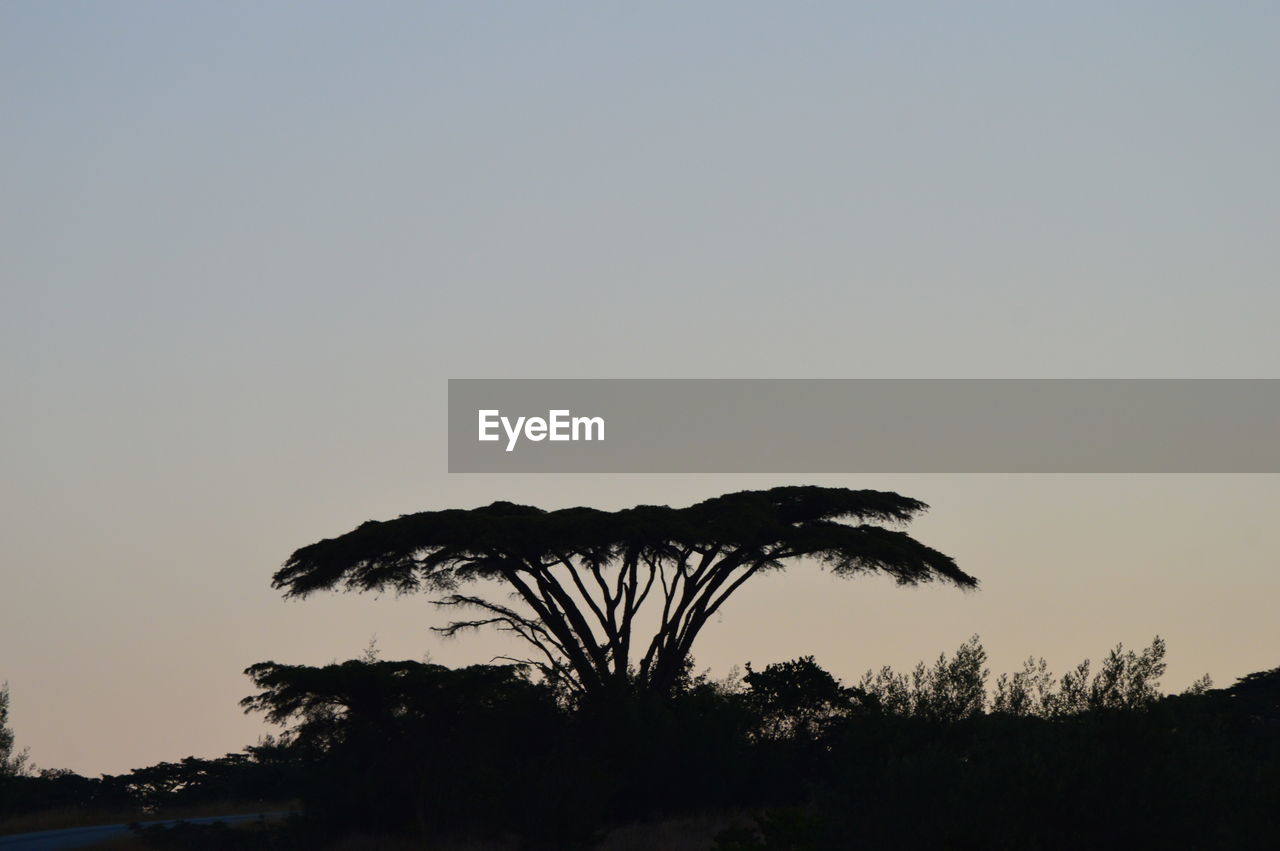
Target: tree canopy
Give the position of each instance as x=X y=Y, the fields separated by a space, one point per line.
x=374 y=694
x=581 y=575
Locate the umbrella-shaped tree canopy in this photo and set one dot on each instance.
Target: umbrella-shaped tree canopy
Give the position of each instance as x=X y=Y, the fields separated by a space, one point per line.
x=580 y=576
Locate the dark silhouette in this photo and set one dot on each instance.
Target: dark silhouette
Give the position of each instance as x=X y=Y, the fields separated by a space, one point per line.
x=795 y=699
x=396 y=745
x=1258 y=695
x=11 y=764
x=932 y=757
x=584 y=574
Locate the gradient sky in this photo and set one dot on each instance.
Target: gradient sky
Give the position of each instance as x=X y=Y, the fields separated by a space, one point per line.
x=244 y=245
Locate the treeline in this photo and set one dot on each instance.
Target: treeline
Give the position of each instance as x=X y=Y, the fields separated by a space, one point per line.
x=265 y=773
x=938 y=756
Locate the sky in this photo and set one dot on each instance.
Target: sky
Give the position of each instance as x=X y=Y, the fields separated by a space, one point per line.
x=244 y=246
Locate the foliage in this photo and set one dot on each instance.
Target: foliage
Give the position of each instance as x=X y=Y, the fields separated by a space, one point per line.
x=956 y=688
x=404 y=745
x=795 y=699
x=263 y=773
x=950 y=690
x=377 y=748
x=338 y=701
x=1258 y=695
x=822 y=765
x=11 y=764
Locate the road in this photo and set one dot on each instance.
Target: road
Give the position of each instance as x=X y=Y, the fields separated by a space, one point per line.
x=83 y=837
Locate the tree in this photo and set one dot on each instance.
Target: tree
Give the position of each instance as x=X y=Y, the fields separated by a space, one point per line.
x=391 y=744
x=1257 y=694
x=956 y=688
x=796 y=698
x=11 y=764
x=331 y=702
x=580 y=576
x=950 y=690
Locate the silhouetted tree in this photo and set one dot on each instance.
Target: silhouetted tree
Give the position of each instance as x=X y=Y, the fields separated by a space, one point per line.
x=956 y=687
x=1257 y=694
x=796 y=698
x=260 y=774
x=11 y=764
x=331 y=702
x=581 y=575
x=394 y=744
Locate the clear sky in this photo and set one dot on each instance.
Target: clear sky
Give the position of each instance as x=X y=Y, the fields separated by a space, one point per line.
x=244 y=245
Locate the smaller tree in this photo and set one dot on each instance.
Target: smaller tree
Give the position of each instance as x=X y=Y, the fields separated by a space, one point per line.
x=1128 y=680
x=1025 y=692
x=1124 y=681
x=796 y=698
x=338 y=703
x=956 y=687
x=399 y=745
x=951 y=689
x=11 y=764
x=1257 y=694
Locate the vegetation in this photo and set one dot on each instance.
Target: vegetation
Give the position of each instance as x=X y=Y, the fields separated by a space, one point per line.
x=523 y=755
x=11 y=764
x=486 y=752
x=796 y=759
